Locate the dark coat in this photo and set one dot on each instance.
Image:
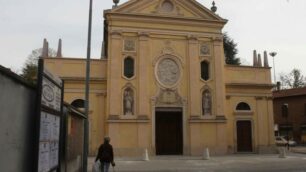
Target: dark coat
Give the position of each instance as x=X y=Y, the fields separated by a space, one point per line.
x=105 y=153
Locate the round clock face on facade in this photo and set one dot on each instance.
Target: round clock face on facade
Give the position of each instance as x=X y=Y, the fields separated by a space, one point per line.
x=168 y=72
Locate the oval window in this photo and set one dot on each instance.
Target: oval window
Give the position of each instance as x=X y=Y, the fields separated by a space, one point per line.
x=167 y=6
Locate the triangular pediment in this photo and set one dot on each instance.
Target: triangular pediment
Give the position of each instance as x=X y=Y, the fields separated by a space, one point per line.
x=170 y=8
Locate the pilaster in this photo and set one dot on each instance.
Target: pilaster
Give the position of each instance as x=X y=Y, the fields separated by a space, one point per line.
x=194 y=76
x=260 y=122
x=114 y=73
x=219 y=76
x=270 y=120
x=144 y=52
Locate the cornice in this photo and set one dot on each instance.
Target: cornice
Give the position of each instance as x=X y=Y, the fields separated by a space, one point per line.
x=243 y=112
x=230 y=95
x=270 y=86
x=201 y=7
x=217 y=39
x=116 y=34
x=192 y=38
x=167 y=19
x=73 y=58
x=83 y=79
x=154 y=33
x=259 y=97
x=128 y=121
x=207 y=120
x=196 y=8
x=143 y=36
x=80 y=90
x=250 y=67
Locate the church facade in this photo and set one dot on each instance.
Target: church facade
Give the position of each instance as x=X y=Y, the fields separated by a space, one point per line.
x=163 y=85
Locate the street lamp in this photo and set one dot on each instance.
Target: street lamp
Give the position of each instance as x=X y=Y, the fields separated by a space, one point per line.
x=273 y=54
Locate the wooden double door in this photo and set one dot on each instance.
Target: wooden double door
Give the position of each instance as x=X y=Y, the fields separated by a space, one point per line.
x=169 y=133
x=244 y=136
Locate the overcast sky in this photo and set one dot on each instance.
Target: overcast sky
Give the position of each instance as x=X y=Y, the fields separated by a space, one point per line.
x=272 y=25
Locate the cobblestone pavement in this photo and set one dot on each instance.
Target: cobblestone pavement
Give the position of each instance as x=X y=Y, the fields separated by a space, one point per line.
x=231 y=163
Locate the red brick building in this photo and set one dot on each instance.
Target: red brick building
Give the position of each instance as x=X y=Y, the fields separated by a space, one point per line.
x=290 y=113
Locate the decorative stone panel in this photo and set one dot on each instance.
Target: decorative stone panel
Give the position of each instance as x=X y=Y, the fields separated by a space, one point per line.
x=167 y=71
x=205 y=49
x=168 y=97
x=129 y=45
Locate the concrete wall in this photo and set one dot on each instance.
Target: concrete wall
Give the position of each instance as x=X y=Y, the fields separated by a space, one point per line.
x=17 y=104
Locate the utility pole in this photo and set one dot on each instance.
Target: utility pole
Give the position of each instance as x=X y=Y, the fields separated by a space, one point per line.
x=86 y=123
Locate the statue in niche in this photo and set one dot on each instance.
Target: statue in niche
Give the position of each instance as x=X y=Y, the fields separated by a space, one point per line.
x=128 y=101
x=206 y=103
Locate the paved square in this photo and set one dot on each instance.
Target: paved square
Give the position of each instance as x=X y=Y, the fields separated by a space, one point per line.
x=231 y=163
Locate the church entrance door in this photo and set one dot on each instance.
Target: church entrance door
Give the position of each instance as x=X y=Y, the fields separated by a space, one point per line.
x=244 y=136
x=169 y=132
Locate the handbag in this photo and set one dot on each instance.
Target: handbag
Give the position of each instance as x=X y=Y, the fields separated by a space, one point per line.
x=96 y=167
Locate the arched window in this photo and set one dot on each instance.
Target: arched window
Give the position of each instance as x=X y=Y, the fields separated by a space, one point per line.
x=205 y=70
x=243 y=106
x=128 y=101
x=206 y=102
x=129 y=67
x=78 y=103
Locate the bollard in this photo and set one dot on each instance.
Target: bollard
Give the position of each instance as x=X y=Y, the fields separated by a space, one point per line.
x=206 y=154
x=282 y=152
x=146 y=155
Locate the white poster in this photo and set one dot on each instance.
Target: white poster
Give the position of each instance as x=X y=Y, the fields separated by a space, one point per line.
x=44 y=127
x=48 y=141
x=51 y=95
x=53 y=154
x=44 y=157
x=55 y=128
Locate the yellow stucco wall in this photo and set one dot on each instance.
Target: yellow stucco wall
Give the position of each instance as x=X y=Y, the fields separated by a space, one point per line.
x=179 y=35
x=72 y=71
x=251 y=85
